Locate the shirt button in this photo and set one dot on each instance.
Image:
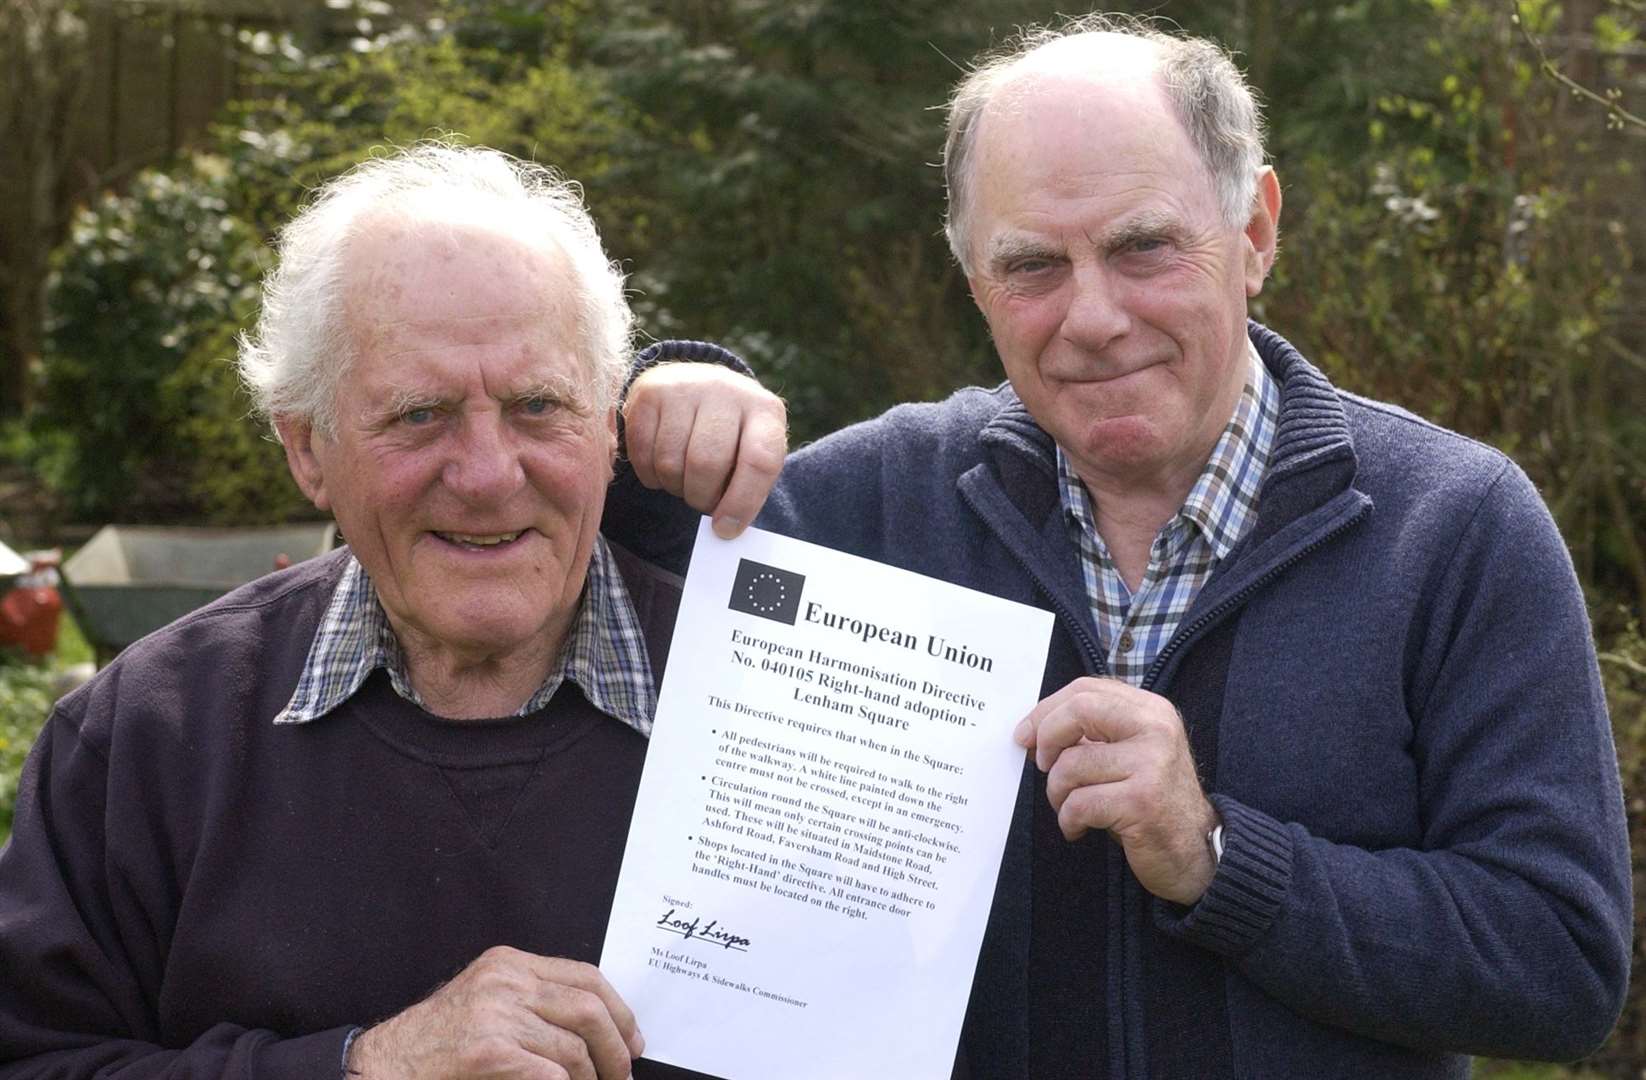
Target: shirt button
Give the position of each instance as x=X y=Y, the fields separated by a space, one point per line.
x=1126 y=641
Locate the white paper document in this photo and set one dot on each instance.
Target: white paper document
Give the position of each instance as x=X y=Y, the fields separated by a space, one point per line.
x=821 y=818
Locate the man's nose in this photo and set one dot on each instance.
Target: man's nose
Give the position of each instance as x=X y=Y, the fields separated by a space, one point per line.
x=1095 y=315
x=485 y=463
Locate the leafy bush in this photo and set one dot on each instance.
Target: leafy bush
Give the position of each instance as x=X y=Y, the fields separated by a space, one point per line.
x=234 y=472
x=144 y=279
x=313 y=114
x=25 y=701
x=1472 y=262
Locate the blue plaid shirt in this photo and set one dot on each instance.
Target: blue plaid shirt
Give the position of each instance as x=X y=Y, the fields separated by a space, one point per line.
x=604 y=654
x=1220 y=509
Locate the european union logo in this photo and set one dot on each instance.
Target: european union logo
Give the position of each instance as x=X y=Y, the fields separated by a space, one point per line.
x=767 y=591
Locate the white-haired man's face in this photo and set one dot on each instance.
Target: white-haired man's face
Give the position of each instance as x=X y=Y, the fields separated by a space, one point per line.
x=469 y=466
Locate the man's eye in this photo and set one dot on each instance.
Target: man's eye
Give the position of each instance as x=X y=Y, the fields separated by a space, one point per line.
x=537 y=406
x=423 y=414
x=1029 y=267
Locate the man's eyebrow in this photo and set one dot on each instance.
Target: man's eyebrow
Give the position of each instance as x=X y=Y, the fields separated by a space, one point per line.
x=403 y=399
x=1141 y=226
x=555 y=388
x=561 y=391
x=1005 y=249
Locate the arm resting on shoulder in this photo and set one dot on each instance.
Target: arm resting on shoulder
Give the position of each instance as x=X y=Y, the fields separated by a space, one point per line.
x=699 y=435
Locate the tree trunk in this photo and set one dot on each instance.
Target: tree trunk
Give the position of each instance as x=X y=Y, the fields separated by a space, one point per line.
x=42 y=54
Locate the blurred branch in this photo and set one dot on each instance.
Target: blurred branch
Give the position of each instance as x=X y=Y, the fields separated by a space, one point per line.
x=1623 y=662
x=1616 y=115
x=1634 y=357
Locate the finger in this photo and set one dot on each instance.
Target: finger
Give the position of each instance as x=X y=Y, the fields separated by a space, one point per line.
x=761 y=447
x=562 y=1052
x=1027 y=732
x=1070 y=715
x=556 y=971
x=711 y=455
x=1104 y=710
x=1089 y=764
x=1088 y=808
x=585 y=1015
x=642 y=410
x=675 y=421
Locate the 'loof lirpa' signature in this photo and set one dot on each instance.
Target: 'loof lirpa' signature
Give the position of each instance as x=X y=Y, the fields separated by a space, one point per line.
x=713 y=933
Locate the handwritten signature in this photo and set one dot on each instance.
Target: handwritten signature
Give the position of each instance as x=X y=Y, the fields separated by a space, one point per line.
x=713 y=932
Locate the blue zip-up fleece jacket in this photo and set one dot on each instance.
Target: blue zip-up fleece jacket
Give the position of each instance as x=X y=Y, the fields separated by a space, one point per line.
x=1391 y=692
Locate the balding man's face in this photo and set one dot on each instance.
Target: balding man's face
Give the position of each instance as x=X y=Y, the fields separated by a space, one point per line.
x=1115 y=293
x=470 y=462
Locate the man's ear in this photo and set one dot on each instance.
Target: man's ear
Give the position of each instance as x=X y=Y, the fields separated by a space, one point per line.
x=297 y=436
x=1262 y=230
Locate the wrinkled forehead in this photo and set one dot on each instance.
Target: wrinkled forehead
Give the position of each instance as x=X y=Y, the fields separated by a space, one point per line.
x=436 y=279
x=395 y=271
x=1070 y=128
x=422 y=297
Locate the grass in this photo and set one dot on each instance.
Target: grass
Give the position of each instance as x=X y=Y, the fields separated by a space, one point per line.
x=25 y=700
x=72 y=646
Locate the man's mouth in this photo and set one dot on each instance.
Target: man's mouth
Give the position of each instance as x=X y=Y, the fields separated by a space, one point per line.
x=479 y=540
x=1108 y=375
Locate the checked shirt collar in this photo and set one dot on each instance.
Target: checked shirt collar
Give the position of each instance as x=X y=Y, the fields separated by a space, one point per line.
x=604 y=654
x=1220 y=509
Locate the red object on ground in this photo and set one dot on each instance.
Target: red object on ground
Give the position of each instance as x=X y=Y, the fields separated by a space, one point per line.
x=29 y=612
x=28 y=618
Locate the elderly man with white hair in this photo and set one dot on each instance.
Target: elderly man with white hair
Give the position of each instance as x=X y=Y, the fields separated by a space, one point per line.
x=1322 y=784
x=367 y=813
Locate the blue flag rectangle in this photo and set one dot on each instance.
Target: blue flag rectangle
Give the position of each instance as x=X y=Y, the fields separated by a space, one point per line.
x=767 y=591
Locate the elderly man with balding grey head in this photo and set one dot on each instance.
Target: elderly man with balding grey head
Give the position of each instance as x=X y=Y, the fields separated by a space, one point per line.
x=1322 y=783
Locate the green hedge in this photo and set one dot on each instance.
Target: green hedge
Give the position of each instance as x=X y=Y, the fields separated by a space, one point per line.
x=25 y=699
x=145 y=279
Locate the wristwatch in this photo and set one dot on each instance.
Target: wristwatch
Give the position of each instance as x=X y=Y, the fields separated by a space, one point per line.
x=1214 y=840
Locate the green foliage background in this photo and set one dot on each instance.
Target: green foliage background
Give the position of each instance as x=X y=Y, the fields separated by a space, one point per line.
x=25 y=696
x=1459 y=236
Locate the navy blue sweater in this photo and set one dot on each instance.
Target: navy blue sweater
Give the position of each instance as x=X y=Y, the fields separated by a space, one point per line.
x=193 y=891
x=1391 y=691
